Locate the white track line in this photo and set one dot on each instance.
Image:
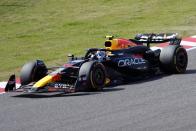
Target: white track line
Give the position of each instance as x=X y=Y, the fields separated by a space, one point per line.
x=188 y=43
x=191 y=48
x=3 y=84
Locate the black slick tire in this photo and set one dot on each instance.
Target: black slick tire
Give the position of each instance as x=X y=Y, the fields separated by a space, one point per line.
x=93 y=75
x=32 y=71
x=173 y=59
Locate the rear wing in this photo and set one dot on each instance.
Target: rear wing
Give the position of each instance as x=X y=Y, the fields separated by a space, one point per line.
x=172 y=38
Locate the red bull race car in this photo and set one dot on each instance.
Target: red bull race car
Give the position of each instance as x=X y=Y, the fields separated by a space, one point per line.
x=121 y=61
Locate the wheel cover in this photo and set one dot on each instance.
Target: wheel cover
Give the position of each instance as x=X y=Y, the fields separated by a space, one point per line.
x=181 y=60
x=98 y=77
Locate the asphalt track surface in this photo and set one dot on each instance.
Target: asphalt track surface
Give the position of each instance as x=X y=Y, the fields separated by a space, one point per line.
x=157 y=104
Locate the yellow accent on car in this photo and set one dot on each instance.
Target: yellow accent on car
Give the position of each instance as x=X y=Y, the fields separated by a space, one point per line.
x=107 y=81
x=114 y=44
x=43 y=81
x=109 y=37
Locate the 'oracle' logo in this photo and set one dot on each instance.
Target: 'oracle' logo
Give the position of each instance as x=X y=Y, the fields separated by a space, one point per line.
x=130 y=62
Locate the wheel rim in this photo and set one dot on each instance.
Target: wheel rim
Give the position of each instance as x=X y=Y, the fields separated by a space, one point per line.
x=181 y=60
x=98 y=77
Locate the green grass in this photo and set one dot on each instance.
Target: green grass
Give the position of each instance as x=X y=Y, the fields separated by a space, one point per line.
x=50 y=29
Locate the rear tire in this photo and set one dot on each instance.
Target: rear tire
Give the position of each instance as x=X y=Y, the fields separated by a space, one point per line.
x=93 y=75
x=32 y=72
x=173 y=59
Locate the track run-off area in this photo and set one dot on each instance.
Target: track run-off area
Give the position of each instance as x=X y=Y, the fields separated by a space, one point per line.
x=160 y=103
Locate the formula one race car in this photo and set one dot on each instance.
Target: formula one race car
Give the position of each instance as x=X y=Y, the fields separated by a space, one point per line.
x=120 y=61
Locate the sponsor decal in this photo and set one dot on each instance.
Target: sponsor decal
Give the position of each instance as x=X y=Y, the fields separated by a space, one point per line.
x=130 y=62
x=59 y=85
x=61 y=88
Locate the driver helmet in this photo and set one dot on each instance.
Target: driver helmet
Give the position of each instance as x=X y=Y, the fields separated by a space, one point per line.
x=100 y=55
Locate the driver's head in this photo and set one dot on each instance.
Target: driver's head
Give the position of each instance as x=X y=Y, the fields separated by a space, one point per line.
x=100 y=55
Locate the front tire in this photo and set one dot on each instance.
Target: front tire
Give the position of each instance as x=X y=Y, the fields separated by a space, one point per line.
x=93 y=75
x=32 y=72
x=173 y=59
